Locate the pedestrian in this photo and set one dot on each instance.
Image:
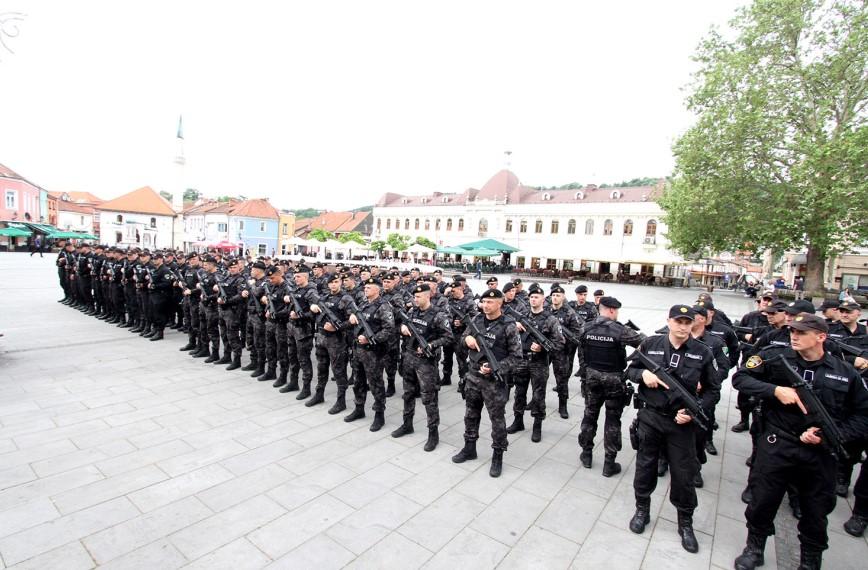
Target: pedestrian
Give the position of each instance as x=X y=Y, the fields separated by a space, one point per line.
x=38 y=246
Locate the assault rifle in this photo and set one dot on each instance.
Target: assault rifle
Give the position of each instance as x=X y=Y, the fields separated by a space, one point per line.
x=850 y=349
x=694 y=408
x=330 y=315
x=828 y=429
x=221 y=289
x=272 y=313
x=631 y=325
x=420 y=340
x=493 y=364
x=366 y=326
x=150 y=277
x=537 y=335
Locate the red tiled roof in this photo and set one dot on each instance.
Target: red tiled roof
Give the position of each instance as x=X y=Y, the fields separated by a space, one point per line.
x=260 y=208
x=335 y=222
x=78 y=197
x=6 y=172
x=142 y=201
x=65 y=206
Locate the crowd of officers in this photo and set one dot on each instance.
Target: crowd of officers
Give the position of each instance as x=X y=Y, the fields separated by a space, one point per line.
x=504 y=341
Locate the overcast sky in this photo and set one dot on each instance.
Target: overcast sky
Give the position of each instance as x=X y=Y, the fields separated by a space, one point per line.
x=330 y=104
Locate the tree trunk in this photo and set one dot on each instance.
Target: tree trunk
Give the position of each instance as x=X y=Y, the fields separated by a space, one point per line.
x=814 y=284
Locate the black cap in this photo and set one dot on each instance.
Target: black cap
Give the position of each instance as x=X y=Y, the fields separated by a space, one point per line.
x=459 y=279
x=259 y=265
x=682 y=311
x=157 y=255
x=809 y=322
x=415 y=269
x=508 y=287
x=800 y=306
x=705 y=302
x=582 y=289
x=700 y=309
x=405 y=273
x=210 y=259
x=516 y=281
x=373 y=281
x=491 y=280
x=775 y=307
x=232 y=262
x=849 y=306
x=557 y=289
x=535 y=290
x=610 y=302
x=492 y=294
x=828 y=304
x=272 y=270
x=598 y=293
x=436 y=271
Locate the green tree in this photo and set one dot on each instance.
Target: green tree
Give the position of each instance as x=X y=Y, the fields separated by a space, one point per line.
x=378 y=246
x=191 y=195
x=166 y=195
x=398 y=242
x=306 y=212
x=320 y=234
x=426 y=242
x=352 y=236
x=778 y=157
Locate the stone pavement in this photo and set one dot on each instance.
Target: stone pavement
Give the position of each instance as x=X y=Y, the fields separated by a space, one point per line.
x=123 y=453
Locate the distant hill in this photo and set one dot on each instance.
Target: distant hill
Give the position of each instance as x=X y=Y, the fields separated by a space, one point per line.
x=647 y=181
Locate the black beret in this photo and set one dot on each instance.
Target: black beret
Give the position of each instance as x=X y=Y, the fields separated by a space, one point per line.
x=582 y=289
x=210 y=259
x=508 y=287
x=192 y=255
x=158 y=255
x=415 y=269
x=557 y=289
x=272 y=270
x=232 y=262
x=373 y=281
x=535 y=290
x=491 y=280
x=516 y=281
x=598 y=293
x=491 y=294
x=459 y=279
x=610 y=302
x=259 y=265
x=301 y=268
x=405 y=273
x=333 y=277
x=421 y=289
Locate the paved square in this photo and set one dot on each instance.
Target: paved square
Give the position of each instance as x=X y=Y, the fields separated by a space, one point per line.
x=123 y=453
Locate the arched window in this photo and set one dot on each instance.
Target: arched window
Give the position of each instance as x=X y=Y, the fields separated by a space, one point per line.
x=607 y=228
x=388 y=223
x=427 y=224
x=119 y=219
x=153 y=222
x=437 y=225
x=398 y=224
x=628 y=228
x=407 y=223
x=571 y=227
x=460 y=224
x=651 y=228
x=509 y=225
x=416 y=224
x=379 y=224
x=448 y=224
x=483 y=227
x=589 y=228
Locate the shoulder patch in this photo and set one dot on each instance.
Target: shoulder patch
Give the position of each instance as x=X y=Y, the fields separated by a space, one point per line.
x=753 y=361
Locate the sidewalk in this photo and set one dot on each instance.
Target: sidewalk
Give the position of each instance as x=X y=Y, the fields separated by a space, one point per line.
x=120 y=452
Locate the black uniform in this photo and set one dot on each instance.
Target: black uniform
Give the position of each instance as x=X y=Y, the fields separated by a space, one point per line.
x=368 y=358
x=782 y=459
x=420 y=371
x=459 y=309
x=300 y=333
x=230 y=311
x=331 y=346
x=533 y=370
x=563 y=360
x=160 y=292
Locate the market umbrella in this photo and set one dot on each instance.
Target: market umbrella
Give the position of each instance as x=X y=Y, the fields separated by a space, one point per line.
x=14 y=232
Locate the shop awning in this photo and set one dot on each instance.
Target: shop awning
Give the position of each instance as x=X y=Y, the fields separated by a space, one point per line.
x=70 y=235
x=489 y=244
x=14 y=232
x=477 y=252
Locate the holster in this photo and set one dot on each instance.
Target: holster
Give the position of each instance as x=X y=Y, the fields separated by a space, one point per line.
x=635 y=440
x=629 y=391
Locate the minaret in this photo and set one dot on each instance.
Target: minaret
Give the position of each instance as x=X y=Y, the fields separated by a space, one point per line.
x=178 y=186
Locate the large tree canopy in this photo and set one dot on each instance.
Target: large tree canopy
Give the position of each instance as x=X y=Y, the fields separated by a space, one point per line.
x=778 y=157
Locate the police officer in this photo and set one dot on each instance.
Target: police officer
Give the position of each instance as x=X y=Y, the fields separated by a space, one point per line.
x=208 y=312
x=848 y=324
x=397 y=298
x=533 y=370
x=789 y=450
x=63 y=262
x=191 y=297
x=230 y=307
x=160 y=291
x=829 y=308
x=142 y=294
x=500 y=335
x=84 y=279
x=274 y=299
x=603 y=343
x=255 y=319
x=301 y=328
x=461 y=306
x=420 y=364
x=331 y=343
x=571 y=326
x=664 y=426
x=370 y=351
x=588 y=312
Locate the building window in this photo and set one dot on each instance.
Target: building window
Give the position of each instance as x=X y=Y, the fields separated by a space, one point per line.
x=379 y=225
x=240 y=225
x=388 y=223
x=460 y=224
x=407 y=223
x=628 y=228
x=483 y=227
x=81 y=221
x=221 y=227
x=119 y=219
x=397 y=224
x=607 y=228
x=260 y=249
x=589 y=227
x=537 y=228
x=522 y=227
x=12 y=199
x=508 y=226
x=551 y=263
x=286 y=227
x=427 y=224
x=262 y=227
x=283 y=249
x=555 y=226
x=416 y=224
x=571 y=227
x=437 y=225
x=651 y=228
x=519 y=262
x=153 y=222
x=119 y=237
x=448 y=224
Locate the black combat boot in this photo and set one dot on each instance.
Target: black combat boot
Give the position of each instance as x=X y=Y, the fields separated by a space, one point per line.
x=305 y=391
x=357 y=414
x=642 y=516
x=291 y=386
x=496 y=463
x=379 y=421
x=685 y=530
x=390 y=387
x=317 y=399
x=610 y=467
x=710 y=448
x=340 y=402
x=743 y=425
x=236 y=362
x=842 y=481
x=148 y=332
x=752 y=556
x=202 y=352
x=586 y=457
x=562 y=407
x=191 y=345
x=136 y=328
x=260 y=368
x=226 y=358
x=516 y=425
x=158 y=335
x=405 y=428
x=536 y=432
x=252 y=366
x=467 y=453
x=214 y=356
x=698 y=481
x=281 y=378
x=270 y=374
x=855 y=525
x=810 y=559
x=747 y=495
x=433 y=439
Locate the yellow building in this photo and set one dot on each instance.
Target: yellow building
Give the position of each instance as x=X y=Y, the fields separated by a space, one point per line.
x=285 y=232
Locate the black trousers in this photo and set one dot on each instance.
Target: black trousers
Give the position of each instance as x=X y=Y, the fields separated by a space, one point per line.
x=659 y=435
x=420 y=379
x=331 y=350
x=368 y=376
x=533 y=371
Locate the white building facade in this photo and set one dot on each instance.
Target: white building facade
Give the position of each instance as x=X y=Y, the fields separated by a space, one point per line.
x=597 y=230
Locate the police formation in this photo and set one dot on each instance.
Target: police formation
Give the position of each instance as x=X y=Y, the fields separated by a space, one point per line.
x=801 y=382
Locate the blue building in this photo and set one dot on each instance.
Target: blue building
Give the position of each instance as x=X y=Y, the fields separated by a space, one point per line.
x=253 y=224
